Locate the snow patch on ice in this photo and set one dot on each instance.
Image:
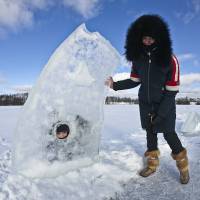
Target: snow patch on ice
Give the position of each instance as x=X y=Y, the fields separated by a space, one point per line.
x=116 y=172
x=100 y=180
x=46 y=169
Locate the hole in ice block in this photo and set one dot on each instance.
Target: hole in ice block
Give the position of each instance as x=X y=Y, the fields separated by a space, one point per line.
x=62 y=131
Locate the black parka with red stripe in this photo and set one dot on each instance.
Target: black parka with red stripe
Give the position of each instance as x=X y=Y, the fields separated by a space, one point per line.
x=158 y=88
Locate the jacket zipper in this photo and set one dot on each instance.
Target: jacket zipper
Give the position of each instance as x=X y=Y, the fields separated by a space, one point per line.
x=149 y=54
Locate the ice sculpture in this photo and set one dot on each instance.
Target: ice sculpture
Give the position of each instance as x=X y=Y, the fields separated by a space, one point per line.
x=191 y=126
x=69 y=91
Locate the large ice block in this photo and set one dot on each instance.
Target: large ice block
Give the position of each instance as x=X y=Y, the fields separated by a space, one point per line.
x=70 y=91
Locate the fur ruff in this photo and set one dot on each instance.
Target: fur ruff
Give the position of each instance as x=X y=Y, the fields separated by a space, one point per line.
x=149 y=25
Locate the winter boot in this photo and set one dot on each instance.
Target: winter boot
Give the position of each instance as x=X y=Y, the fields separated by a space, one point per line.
x=182 y=164
x=152 y=162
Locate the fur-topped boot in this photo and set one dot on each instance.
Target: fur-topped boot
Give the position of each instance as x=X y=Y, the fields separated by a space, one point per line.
x=182 y=164
x=152 y=162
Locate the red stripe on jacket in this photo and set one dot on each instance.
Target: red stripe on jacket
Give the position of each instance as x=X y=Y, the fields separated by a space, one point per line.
x=175 y=74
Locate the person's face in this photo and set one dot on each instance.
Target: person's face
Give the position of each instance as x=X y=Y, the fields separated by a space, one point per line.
x=61 y=135
x=146 y=40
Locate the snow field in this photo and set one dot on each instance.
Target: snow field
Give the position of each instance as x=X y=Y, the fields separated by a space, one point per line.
x=115 y=173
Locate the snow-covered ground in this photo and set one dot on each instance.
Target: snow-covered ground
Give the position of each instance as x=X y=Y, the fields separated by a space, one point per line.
x=114 y=176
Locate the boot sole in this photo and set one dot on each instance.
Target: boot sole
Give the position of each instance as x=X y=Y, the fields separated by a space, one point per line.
x=145 y=176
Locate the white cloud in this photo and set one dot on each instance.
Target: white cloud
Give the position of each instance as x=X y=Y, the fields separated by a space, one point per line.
x=40 y=4
x=193 y=10
x=15 y=14
x=21 y=88
x=19 y=13
x=187 y=87
x=123 y=93
x=186 y=56
x=87 y=8
x=189 y=57
x=3 y=34
x=2 y=79
x=196 y=63
x=188 y=79
x=187 y=17
x=196 y=5
x=124 y=62
x=121 y=76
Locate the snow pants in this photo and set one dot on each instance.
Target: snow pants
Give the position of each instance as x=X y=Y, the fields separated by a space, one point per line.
x=171 y=138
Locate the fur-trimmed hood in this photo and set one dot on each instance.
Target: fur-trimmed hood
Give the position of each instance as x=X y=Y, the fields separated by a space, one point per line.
x=149 y=25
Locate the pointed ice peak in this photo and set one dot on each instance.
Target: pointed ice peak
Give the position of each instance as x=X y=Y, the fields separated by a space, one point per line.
x=82 y=29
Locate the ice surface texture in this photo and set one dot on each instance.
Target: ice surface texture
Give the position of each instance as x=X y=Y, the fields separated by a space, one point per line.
x=69 y=90
x=191 y=126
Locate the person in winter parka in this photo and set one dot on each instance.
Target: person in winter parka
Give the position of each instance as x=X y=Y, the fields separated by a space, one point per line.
x=155 y=68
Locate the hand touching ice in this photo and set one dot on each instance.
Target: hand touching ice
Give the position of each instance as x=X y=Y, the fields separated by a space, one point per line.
x=109 y=82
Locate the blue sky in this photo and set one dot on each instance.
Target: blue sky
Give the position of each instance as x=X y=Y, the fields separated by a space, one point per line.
x=31 y=30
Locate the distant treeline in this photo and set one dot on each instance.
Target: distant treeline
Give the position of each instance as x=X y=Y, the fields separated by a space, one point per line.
x=188 y=101
x=20 y=99
x=128 y=100
x=13 y=99
x=117 y=100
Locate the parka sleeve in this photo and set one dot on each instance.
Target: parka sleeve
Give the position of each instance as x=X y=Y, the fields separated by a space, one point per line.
x=171 y=88
x=131 y=82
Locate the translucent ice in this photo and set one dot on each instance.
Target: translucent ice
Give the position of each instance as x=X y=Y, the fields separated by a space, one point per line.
x=69 y=91
x=191 y=126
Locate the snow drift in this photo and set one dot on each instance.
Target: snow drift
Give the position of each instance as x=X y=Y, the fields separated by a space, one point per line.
x=191 y=125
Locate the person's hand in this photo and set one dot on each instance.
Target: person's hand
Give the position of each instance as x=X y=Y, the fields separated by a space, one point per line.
x=109 y=82
x=155 y=119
